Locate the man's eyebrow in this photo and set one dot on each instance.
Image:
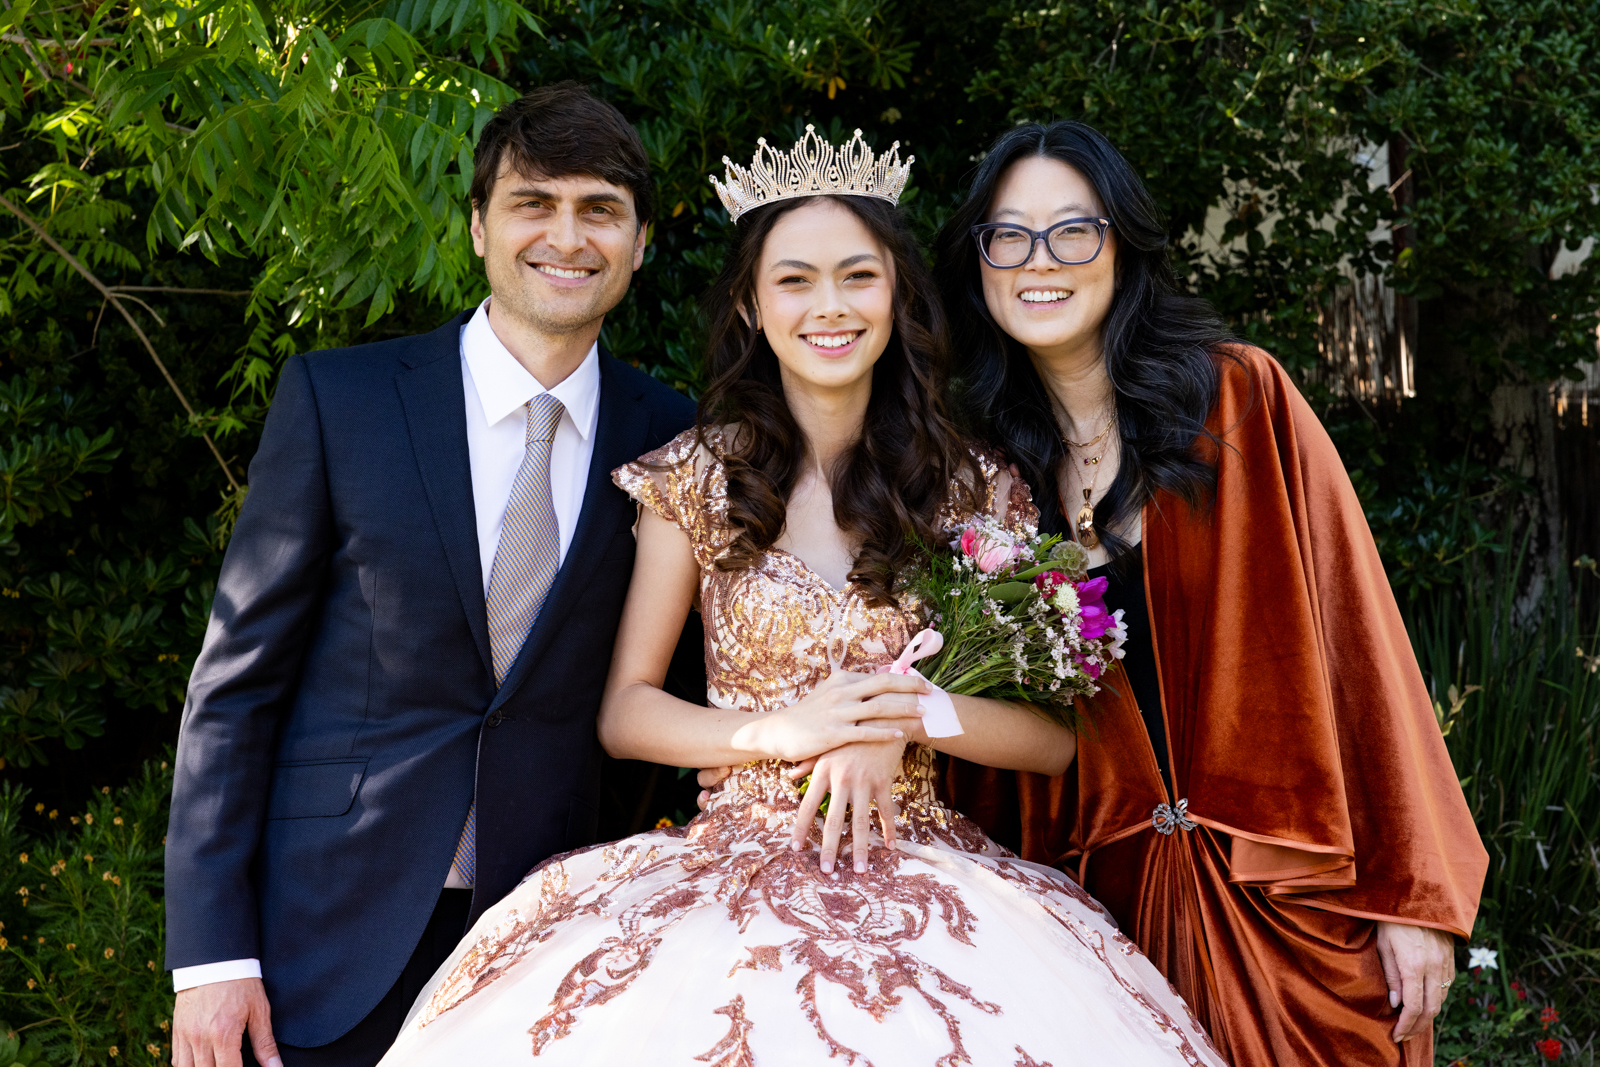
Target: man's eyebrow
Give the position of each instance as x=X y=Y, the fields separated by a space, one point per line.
x=537 y=192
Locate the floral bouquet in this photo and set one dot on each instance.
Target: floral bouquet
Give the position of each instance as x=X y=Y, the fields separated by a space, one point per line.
x=1013 y=617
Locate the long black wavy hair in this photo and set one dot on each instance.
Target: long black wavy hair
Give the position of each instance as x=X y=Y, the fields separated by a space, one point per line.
x=1162 y=348
x=910 y=459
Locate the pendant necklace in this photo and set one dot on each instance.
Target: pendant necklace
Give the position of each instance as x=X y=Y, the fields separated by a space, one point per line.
x=1087 y=537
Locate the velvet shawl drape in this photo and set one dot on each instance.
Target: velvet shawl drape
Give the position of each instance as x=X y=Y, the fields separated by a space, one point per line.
x=1300 y=733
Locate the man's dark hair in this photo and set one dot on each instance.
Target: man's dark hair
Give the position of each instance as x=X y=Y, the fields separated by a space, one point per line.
x=558 y=131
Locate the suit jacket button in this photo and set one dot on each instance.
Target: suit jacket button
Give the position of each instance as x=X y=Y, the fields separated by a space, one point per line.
x=494 y=719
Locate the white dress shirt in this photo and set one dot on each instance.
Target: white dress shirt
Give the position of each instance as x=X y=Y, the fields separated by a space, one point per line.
x=496 y=388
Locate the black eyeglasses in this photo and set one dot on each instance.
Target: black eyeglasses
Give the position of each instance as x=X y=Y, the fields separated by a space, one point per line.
x=1070 y=242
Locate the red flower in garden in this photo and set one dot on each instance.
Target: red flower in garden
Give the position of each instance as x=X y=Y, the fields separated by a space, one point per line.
x=1548 y=1016
x=1522 y=994
x=1549 y=1048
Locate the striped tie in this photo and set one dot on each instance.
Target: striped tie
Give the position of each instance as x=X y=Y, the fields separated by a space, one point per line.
x=525 y=563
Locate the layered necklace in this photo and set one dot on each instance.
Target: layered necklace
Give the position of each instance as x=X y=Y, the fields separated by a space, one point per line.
x=1084 y=524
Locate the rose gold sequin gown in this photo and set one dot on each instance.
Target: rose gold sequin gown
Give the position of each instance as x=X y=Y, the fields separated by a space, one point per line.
x=715 y=944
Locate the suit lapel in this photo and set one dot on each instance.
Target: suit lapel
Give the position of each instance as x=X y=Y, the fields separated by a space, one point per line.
x=434 y=399
x=620 y=435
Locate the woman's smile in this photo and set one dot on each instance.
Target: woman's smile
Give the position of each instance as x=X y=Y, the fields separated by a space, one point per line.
x=832 y=344
x=1047 y=298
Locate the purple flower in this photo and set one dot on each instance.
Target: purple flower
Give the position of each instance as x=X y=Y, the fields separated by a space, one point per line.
x=1094 y=618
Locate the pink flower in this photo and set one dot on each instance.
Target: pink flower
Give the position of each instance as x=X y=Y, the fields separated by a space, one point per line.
x=993 y=558
x=1095 y=619
x=990 y=553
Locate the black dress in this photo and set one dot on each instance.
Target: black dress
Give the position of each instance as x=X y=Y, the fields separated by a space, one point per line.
x=1125 y=590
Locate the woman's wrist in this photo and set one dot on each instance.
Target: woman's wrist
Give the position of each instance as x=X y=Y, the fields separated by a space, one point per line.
x=912 y=727
x=762 y=739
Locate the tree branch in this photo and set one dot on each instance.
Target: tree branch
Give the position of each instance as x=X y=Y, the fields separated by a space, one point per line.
x=111 y=297
x=177 y=289
x=51 y=42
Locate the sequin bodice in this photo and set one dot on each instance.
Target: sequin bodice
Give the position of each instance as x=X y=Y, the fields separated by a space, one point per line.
x=775 y=630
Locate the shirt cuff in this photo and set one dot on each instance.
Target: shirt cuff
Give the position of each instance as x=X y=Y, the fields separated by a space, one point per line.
x=207 y=973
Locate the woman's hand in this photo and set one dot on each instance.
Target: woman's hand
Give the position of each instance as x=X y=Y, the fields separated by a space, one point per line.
x=1419 y=964
x=856 y=775
x=837 y=712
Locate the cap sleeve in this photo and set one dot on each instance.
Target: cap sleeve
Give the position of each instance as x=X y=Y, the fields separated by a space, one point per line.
x=1003 y=496
x=684 y=482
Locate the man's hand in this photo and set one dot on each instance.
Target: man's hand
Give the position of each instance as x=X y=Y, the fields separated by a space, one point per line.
x=209 y=1021
x=1418 y=964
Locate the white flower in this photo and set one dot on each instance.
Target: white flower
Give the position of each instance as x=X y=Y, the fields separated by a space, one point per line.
x=1118 y=634
x=1066 y=598
x=1483 y=957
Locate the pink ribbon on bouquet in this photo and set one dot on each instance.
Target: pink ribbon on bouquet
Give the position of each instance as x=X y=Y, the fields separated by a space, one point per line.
x=939 y=718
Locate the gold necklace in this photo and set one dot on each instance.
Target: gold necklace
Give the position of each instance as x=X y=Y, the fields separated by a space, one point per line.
x=1087 y=537
x=1091 y=441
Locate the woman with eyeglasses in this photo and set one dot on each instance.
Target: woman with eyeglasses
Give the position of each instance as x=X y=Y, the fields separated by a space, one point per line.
x=1261 y=796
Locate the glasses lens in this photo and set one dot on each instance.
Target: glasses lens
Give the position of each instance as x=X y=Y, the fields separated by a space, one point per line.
x=1006 y=247
x=1076 y=242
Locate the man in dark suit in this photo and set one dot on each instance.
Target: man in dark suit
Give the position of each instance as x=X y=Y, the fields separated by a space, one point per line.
x=392 y=718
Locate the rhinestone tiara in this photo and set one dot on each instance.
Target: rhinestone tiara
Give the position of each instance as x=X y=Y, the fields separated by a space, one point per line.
x=812 y=168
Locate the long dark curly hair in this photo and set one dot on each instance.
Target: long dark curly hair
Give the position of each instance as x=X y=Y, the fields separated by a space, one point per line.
x=891 y=483
x=1162 y=348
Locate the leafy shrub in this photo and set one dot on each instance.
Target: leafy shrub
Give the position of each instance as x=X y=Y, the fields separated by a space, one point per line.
x=82 y=939
x=1492 y=1018
x=1519 y=701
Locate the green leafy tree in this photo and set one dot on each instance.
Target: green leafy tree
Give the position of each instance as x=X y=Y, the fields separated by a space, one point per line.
x=319 y=160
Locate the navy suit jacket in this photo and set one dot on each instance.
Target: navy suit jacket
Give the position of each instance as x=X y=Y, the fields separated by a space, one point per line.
x=343 y=713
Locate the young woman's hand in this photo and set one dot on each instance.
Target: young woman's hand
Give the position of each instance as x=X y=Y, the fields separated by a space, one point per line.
x=840 y=711
x=857 y=775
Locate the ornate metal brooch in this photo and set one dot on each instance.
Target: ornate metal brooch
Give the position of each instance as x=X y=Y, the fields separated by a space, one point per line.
x=1167 y=818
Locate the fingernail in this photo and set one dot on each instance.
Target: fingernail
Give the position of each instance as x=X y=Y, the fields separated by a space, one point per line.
x=1394 y=999
x=861 y=868
x=276 y=1061
x=827 y=867
x=922 y=709
x=897 y=733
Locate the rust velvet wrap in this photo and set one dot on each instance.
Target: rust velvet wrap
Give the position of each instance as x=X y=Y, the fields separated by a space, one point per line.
x=1303 y=738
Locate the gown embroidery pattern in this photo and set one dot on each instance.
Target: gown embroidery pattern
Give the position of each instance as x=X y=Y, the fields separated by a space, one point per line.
x=844 y=943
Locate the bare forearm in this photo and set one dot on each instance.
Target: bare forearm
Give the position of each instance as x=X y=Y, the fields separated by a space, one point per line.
x=1007 y=736
x=642 y=722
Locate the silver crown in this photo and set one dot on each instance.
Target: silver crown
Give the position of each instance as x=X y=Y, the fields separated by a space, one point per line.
x=813 y=168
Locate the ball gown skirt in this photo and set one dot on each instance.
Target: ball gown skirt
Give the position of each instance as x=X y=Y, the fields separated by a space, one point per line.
x=716 y=944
